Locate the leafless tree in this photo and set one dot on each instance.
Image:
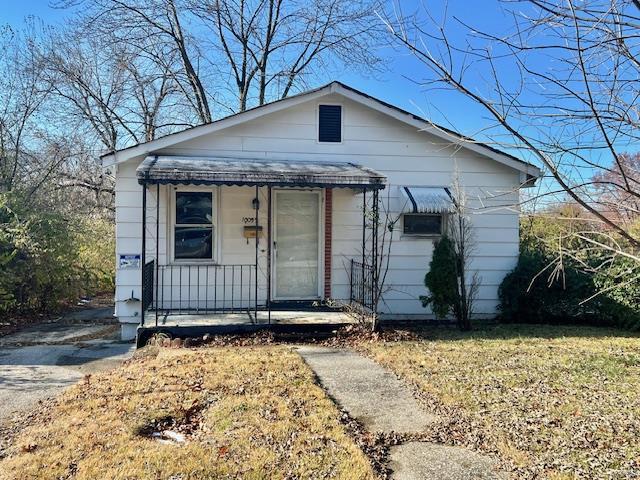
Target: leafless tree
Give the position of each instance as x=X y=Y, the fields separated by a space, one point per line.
x=90 y=89
x=108 y=92
x=386 y=220
x=561 y=83
x=615 y=202
x=125 y=71
x=370 y=300
x=23 y=91
x=462 y=235
x=81 y=183
x=237 y=53
x=153 y=30
x=273 y=45
x=37 y=158
x=101 y=98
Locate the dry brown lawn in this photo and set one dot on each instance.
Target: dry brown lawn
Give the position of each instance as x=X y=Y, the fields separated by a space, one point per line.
x=246 y=412
x=552 y=402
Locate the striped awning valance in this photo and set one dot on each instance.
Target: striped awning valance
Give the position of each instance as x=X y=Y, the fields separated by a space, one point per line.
x=428 y=199
x=187 y=170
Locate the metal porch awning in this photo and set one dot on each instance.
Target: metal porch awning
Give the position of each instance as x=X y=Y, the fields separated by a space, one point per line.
x=428 y=200
x=165 y=169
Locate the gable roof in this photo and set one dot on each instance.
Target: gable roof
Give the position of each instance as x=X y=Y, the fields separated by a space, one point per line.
x=339 y=88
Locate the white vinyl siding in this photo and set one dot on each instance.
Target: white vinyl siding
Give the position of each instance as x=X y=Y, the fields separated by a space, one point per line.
x=402 y=153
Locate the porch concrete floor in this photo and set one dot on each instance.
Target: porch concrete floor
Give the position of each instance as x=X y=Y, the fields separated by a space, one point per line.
x=277 y=317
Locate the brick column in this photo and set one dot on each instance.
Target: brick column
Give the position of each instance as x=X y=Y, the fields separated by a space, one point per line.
x=328 y=223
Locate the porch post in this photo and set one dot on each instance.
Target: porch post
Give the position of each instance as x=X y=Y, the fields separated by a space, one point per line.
x=257 y=207
x=269 y=245
x=374 y=247
x=157 y=248
x=144 y=250
x=364 y=239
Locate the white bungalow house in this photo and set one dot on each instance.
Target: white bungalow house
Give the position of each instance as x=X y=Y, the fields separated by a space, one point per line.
x=240 y=221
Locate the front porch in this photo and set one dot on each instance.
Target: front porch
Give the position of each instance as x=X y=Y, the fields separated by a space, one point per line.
x=282 y=280
x=278 y=321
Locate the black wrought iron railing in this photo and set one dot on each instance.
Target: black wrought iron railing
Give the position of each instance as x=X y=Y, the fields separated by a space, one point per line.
x=362 y=284
x=191 y=289
x=148 y=273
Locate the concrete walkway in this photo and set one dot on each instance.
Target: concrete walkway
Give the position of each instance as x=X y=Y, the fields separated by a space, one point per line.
x=371 y=394
x=54 y=333
x=39 y=361
x=36 y=372
x=376 y=398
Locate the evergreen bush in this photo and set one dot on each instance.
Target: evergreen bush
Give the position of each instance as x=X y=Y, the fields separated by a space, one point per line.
x=441 y=280
x=578 y=294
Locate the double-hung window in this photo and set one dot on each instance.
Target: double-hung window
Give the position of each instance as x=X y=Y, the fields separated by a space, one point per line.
x=193 y=234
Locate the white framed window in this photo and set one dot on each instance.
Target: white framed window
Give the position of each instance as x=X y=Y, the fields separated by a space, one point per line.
x=423 y=224
x=193 y=227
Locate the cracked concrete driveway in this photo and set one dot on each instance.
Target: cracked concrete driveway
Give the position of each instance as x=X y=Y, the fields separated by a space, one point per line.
x=39 y=361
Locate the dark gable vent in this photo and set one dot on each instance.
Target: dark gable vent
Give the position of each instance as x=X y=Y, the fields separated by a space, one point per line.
x=330 y=123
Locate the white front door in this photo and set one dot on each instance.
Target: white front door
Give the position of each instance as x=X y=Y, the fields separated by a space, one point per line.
x=297 y=244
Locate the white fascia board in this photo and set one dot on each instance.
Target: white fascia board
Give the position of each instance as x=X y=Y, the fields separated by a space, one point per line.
x=195 y=132
x=429 y=128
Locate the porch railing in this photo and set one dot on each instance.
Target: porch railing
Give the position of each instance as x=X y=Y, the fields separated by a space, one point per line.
x=361 y=284
x=191 y=289
x=148 y=273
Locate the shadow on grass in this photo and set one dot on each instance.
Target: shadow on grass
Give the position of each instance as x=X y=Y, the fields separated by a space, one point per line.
x=395 y=331
x=491 y=330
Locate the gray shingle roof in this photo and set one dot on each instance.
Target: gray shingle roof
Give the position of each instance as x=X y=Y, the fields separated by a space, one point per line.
x=166 y=169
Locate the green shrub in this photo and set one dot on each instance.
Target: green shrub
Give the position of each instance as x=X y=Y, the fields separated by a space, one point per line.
x=577 y=294
x=441 y=280
x=527 y=295
x=620 y=283
x=48 y=258
x=95 y=244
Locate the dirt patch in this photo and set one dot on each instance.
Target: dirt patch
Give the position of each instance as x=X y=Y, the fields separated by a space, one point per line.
x=68 y=313
x=353 y=335
x=375 y=446
x=60 y=334
x=239 y=340
x=108 y=332
x=177 y=428
x=17 y=322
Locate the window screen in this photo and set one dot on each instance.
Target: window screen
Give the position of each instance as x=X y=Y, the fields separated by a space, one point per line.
x=193 y=234
x=330 y=123
x=422 y=224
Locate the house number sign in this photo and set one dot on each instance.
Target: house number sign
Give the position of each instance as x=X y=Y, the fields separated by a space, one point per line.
x=248 y=220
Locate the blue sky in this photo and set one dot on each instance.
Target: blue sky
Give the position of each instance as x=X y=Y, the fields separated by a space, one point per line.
x=391 y=85
x=394 y=85
x=15 y=11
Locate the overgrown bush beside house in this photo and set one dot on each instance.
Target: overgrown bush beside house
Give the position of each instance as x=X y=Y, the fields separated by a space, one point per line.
x=579 y=288
x=48 y=257
x=95 y=243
